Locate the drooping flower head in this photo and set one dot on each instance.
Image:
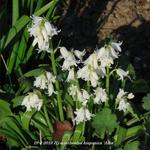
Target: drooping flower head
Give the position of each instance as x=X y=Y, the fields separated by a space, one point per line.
x=40 y=82
x=89 y=71
x=69 y=59
x=45 y=81
x=32 y=100
x=122 y=100
x=108 y=53
x=79 y=54
x=82 y=114
x=100 y=95
x=71 y=75
x=121 y=73
x=42 y=31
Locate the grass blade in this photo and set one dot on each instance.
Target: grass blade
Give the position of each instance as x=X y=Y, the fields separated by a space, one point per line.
x=19 y=25
x=15 y=11
x=46 y=7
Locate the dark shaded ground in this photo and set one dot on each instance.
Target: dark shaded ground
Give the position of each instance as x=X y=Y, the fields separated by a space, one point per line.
x=86 y=23
x=79 y=24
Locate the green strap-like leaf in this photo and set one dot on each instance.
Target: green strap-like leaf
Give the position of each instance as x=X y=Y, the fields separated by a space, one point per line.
x=4 y=109
x=134 y=131
x=35 y=72
x=132 y=146
x=19 y=25
x=65 y=139
x=46 y=7
x=120 y=135
x=77 y=135
x=26 y=118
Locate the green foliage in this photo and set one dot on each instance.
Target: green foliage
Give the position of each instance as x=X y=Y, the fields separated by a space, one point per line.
x=4 y=109
x=120 y=135
x=21 y=127
x=78 y=135
x=132 y=146
x=65 y=139
x=147 y=125
x=131 y=70
x=104 y=122
x=134 y=131
x=19 y=25
x=20 y=53
x=26 y=119
x=34 y=72
x=146 y=102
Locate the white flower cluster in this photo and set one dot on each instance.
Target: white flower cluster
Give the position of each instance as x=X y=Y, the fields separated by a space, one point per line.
x=92 y=70
x=45 y=81
x=79 y=95
x=32 y=100
x=82 y=114
x=94 y=67
x=42 y=31
x=122 y=100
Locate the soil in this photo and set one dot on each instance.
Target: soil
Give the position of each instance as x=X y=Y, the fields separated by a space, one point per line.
x=85 y=23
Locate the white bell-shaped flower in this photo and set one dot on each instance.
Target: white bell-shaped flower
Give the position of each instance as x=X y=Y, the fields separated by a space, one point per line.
x=45 y=81
x=71 y=75
x=42 y=31
x=123 y=105
x=82 y=114
x=69 y=59
x=122 y=100
x=50 y=88
x=130 y=96
x=88 y=73
x=79 y=54
x=32 y=101
x=100 y=95
x=40 y=82
x=103 y=56
x=92 y=61
x=121 y=73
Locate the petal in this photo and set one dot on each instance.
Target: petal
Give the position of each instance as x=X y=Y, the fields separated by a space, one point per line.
x=35 y=41
x=44 y=33
x=48 y=27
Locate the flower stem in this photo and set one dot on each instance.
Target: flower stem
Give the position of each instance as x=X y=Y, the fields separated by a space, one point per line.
x=47 y=119
x=107 y=80
x=59 y=100
x=83 y=128
x=107 y=83
x=145 y=141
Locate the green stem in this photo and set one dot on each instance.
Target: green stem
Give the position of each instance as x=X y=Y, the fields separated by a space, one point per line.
x=92 y=109
x=88 y=86
x=145 y=141
x=47 y=119
x=107 y=83
x=107 y=80
x=59 y=100
x=83 y=128
x=134 y=120
x=76 y=102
